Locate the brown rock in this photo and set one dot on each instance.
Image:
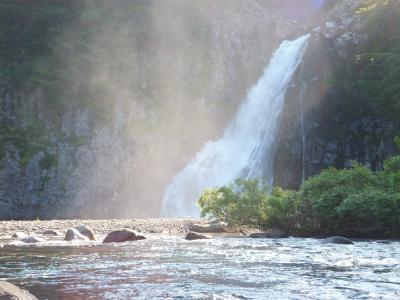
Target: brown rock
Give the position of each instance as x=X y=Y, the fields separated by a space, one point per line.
x=195 y=236
x=9 y=291
x=122 y=235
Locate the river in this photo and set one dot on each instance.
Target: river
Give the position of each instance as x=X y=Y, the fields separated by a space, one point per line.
x=165 y=267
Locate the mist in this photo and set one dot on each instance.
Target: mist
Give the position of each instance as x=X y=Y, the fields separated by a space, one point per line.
x=159 y=79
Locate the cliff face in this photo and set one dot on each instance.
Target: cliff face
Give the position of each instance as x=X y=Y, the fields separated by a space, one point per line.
x=332 y=117
x=102 y=103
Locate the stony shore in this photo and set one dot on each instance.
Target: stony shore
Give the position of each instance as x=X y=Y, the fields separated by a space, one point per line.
x=101 y=227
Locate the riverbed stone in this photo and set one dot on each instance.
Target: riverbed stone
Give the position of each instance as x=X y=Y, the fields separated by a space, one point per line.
x=338 y=240
x=196 y=236
x=218 y=227
x=9 y=291
x=122 y=235
x=86 y=231
x=73 y=234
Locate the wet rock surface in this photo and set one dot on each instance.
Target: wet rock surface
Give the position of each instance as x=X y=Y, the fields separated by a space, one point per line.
x=9 y=291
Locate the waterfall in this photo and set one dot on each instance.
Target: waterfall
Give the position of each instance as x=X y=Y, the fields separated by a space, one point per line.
x=247 y=146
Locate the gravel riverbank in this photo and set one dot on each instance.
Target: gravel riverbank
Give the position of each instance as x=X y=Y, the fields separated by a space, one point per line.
x=100 y=227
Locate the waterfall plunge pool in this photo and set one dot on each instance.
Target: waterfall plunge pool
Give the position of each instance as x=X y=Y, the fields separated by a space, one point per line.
x=165 y=267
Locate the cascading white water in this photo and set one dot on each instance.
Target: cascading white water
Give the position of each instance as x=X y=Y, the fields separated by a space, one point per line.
x=247 y=148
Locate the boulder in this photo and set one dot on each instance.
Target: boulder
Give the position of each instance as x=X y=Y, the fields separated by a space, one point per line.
x=122 y=235
x=86 y=231
x=338 y=240
x=50 y=232
x=195 y=236
x=9 y=291
x=19 y=235
x=73 y=234
x=270 y=234
x=31 y=239
x=218 y=227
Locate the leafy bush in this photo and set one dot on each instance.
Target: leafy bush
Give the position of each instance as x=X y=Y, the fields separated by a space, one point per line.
x=322 y=194
x=242 y=203
x=354 y=202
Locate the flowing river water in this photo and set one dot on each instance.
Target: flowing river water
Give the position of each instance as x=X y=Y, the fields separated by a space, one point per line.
x=165 y=267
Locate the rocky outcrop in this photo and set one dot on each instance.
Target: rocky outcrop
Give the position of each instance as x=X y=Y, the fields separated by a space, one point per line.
x=9 y=291
x=122 y=235
x=321 y=127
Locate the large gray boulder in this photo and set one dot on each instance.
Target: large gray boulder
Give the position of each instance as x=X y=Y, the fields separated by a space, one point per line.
x=196 y=236
x=338 y=240
x=122 y=235
x=9 y=291
x=73 y=234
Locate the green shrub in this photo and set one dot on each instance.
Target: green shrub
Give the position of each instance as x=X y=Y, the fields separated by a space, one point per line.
x=322 y=194
x=242 y=203
x=354 y=202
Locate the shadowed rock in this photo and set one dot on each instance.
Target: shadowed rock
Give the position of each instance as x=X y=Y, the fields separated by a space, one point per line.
x=9 y=291
x=122 y=235
x=73 y=234
x=338 y=240
x=195 y=236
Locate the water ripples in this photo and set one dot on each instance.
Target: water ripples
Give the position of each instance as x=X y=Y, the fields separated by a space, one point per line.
x=172 y=268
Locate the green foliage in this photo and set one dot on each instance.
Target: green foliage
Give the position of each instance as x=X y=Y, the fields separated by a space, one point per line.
x=242 y=203
x=323 y=193
x=369 y=78
x=354 y=202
